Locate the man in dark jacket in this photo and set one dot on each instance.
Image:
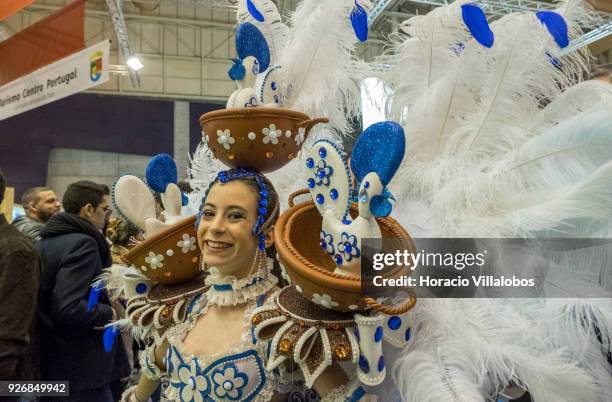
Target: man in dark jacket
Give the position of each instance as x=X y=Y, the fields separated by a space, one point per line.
x=40 y=204
x=19 y=279
x=73 y=253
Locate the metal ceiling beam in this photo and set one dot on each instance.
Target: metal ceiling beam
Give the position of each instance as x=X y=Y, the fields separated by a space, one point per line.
x=115 y=10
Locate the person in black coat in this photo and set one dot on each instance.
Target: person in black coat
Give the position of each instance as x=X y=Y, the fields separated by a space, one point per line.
x=73 y=253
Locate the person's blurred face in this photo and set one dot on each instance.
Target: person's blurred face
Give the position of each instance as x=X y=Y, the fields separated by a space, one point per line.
x=97 y=216
x=45 y=207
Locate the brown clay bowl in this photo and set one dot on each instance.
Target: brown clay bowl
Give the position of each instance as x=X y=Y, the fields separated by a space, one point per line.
x=179 y=264
x=242 y=137
x=297 y=241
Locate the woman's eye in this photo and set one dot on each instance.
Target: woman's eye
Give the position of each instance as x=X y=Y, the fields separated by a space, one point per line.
x=235 y=216
x=208 y=214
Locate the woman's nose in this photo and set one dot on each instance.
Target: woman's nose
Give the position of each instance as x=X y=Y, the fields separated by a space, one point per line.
x=218 y=224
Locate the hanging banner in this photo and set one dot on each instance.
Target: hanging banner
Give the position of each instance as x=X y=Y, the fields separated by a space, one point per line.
x=73 y=74
x=44 y=42
x=10 y=7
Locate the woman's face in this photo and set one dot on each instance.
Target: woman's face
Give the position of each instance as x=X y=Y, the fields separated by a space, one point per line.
x=225 y=231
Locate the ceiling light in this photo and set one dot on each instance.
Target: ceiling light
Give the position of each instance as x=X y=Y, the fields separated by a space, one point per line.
x=134 y=63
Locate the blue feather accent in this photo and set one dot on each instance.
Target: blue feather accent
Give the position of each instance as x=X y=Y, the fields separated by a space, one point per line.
x=251 y=42
x=237 y=71
x=476 y=21
x=109 y=336
x=380 y=148
x=254 y=11
x=94 y=295
x=359 y=20
x=556 y=25
x=161 y=171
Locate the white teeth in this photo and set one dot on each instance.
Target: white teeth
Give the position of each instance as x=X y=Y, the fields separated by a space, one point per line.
x=215 y=244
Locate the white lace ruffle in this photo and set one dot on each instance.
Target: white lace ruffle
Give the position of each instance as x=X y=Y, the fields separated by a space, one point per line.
x=243 y=290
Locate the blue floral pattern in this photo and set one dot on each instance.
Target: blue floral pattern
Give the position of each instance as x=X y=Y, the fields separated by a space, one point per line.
x=229 y=382
x=348 y=246
x=327 y=242
x=323 y=173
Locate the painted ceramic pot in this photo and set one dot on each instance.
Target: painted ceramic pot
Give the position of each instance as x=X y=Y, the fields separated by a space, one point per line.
x=260 y=138
x=169 y=257
x=311 y=271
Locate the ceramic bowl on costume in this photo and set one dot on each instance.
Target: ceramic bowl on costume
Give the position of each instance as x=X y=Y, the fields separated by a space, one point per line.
x=261 y=138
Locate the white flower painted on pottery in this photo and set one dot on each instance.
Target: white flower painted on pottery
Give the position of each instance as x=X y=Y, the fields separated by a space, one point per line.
x=195 y=384
x=299 y=288
x=287 y=133
x=271 y=134
x=229 y=382
x=252 y=136
x=284 y=273
x=299 y=137
x=187 y=244
x=324 y=300
x=154 y=260
x=225 y=138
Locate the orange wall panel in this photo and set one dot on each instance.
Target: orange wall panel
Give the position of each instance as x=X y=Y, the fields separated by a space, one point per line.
x=50 y=39
x=10 y=7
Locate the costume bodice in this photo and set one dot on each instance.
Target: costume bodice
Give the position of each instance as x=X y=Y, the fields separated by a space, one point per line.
x=235 y=375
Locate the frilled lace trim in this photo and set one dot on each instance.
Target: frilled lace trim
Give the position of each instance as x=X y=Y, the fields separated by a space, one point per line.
x=241 y=290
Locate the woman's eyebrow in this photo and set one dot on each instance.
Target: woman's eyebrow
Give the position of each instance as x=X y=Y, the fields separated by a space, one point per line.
x=237 y=207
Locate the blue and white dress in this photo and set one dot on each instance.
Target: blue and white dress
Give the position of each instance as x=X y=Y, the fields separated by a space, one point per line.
x=236 y=375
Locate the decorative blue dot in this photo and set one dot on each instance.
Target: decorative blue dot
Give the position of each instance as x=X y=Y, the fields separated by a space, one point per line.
x=311 y=183
x=366 y=184
x=378 y=335
x=407 y=335
x=321 y=174
x=348 y=248
x=320 y=199
x=381 y=363
x=309 y=163
x=338 y=259
x=263 y=193
x=322 y=152
x=394 y=322
x=141 y=288
x=333 y=193
x=363 y=364
x=273 y=86
x=262 y=210
x=346 y=221
x=323 y=244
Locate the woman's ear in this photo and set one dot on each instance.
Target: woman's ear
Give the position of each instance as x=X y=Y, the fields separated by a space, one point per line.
x=269 y=239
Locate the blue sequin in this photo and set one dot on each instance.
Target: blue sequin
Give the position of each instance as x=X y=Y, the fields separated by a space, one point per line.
x=322 y=152
x=273 y=86
x=363 y=364
x=407 y=334
x=311 y=183
x=346 y=221
x=309 y=163
x=394 y=322
x=321 y=174
x=323 y=244
x=250 y=41
x=381 y=363
x=141 y=288
x=320 y=199
x=262 y=210
x=378 y=335
x=333 y=193
x=379 y=149
x=366 y=184
x=338 y=259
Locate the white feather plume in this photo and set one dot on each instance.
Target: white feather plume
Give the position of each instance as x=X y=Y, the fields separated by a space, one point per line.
x=316 y=61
